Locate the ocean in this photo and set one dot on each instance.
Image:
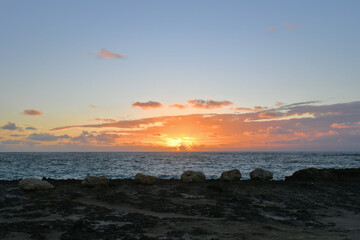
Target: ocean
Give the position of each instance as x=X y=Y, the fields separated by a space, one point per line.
x=77 y=165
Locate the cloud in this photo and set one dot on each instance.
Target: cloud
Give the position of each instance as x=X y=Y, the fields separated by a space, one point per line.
x=147 y=105
x=271 y=29
x=345 y=125
x=179 y=106
x=103 y=119
x=284 y=128
x=290 y=26
x=46 y=137
x=94 y=106
x=32 y=112
x=103 y=53
x=270 y=114
x=16 y=135
x=10 y=126
x=208 y=104
x=30 y=128
x=254 y=109
x=279 y=104
x=18 y=142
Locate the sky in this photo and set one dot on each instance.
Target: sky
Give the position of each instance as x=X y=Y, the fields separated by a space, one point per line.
x=179 y=75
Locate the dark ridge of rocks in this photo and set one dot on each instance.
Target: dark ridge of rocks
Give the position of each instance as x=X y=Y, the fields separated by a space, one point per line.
x=172 y=209
x=327 y=174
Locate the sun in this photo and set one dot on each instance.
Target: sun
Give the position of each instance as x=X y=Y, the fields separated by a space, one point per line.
x=180 y=143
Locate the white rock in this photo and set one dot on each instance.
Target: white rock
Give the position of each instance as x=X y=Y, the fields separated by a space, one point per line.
x=30 y=184
x=232 y=175
x=92 y=181
x=145 y=179
x=191 y=176
x=261 y=174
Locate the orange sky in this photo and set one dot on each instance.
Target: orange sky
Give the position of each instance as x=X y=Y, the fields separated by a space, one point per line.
x=299 y=126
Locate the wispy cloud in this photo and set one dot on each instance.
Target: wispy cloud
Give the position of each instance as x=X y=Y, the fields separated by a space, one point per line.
x=291 y=26
x=10 y=126
x=208 y=104
x=254 y=109
x=30 y=128
x=271 y=29
x=94 y=106
x=46 y=137
x=103 y=53
x=179 y=106
x=103 y=119
x=279 y=104
x=32 y=112
x=345 y=125
x=147 y=105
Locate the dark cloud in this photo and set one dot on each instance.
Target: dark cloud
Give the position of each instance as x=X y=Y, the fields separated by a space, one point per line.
x=30 y=128
x=17 y=135
x=19 y=142
x=147 y=105
x=208 y=104
x=46 y=137
x=10 y=126
x=32 y=112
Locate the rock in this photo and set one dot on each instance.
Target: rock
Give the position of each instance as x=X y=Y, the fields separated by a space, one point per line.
x=327 y=174
x=261 y=174
x=31 y=184
x=92 y=181
x=145 y=179
x=191 y=176
x=232 y=175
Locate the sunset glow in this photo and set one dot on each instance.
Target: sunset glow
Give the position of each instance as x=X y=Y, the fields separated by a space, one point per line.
x=179 y=76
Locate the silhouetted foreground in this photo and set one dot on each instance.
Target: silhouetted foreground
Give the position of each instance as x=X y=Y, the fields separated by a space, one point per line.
x=302 y=207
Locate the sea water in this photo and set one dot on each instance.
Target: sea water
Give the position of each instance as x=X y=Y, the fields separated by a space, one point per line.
x=77 y=165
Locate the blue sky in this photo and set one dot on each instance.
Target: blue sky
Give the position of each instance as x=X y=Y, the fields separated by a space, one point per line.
x=252 y=53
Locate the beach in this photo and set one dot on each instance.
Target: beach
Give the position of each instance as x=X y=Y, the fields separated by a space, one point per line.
x=171 y=209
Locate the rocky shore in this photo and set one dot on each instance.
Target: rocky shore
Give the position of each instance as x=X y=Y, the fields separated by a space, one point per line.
x=311 y=204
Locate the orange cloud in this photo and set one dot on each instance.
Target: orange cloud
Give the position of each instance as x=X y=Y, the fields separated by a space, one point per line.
x=103 y=119
x=271 y=29
x=209 y=104
x=32 y=112
x=103 y=53
x=291 y=26
x=147 y=105
x=94 y=106
x=179 y=106
x=279 y=104
x=254 y=109
x=213 y=132
x=345 y=125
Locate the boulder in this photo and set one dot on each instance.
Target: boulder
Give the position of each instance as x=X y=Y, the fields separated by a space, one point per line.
x=31 y=184
x=92 y=181
x=261 y=174
x=191 y=176
x=232 y=175
x=327 y=174
x=145 y=179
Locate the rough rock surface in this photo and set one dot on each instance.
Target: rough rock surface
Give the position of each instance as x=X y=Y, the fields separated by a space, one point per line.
x=191 y=176
x=145 y=179
x=31 y=184
x=92 y=181
x=327 y=174
x=261 y=174
x=171 y=209
x=232 y=175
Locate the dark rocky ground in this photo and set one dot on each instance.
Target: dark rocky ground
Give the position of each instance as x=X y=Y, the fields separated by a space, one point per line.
x=170 y=209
